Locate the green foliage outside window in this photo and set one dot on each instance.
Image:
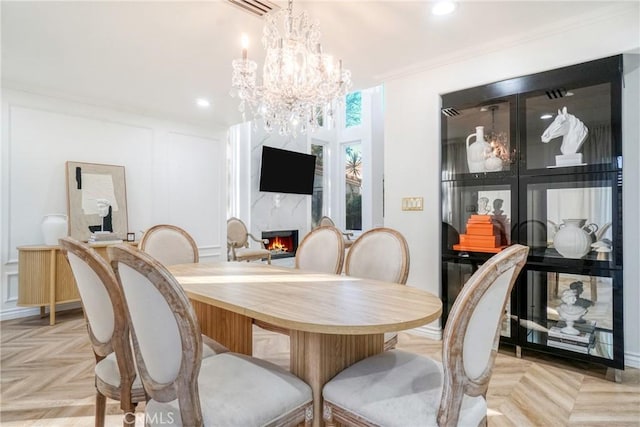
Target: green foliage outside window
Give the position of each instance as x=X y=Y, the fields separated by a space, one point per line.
x=353 y=109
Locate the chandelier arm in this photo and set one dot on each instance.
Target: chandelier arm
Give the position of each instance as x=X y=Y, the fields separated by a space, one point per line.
x=300 y=84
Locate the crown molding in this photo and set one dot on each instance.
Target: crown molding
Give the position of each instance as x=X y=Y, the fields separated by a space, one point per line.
x=477 y=50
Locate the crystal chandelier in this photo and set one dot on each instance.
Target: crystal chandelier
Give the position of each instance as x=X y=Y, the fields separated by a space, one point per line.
x=300 y=83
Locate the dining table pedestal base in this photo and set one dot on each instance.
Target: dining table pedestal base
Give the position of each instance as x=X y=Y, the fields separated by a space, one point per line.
x=230 y=329
x=316 y=358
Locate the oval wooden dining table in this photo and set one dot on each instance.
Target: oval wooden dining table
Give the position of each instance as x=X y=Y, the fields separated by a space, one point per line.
x=334 y=321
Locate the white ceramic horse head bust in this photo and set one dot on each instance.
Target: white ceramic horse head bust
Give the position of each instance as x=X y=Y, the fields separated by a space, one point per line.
x=572 y=130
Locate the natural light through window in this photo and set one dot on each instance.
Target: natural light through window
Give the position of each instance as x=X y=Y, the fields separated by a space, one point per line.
x=353 y=186
x=353 y=109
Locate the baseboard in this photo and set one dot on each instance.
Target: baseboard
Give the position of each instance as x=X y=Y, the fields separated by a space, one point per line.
x=427 y=331
x=632 y=360
x=20 y=312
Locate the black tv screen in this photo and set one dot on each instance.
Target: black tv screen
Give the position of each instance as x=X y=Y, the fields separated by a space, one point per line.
x=285 y=171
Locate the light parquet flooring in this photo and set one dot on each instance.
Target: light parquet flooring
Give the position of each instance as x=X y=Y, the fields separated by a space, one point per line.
x=46 y=379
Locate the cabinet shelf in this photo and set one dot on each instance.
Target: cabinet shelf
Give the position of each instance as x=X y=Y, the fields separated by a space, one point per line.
x=557 y=190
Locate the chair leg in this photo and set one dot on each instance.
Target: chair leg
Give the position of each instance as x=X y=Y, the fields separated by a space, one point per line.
x=101 y=407
x=129 y=418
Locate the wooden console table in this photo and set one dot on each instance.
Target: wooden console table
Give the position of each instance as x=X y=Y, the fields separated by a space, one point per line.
x=45 y=277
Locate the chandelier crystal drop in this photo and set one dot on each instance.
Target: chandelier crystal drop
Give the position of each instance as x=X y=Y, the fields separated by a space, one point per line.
x=300 y=85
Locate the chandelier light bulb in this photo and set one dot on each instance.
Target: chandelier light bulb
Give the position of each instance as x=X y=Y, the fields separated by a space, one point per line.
x=244 y=42
x=300 y=84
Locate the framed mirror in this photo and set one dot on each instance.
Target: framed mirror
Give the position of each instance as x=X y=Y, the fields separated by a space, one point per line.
x=96 y=200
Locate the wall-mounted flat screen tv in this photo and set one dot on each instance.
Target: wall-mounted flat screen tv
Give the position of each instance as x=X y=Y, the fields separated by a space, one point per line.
x=284 y=171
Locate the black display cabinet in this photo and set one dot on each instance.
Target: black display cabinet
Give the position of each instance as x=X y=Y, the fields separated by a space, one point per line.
x=537 y=160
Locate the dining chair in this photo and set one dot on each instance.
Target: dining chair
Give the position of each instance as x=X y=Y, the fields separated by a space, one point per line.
x=115 y=375
x=225 y=390
x=169 y=244
x=325 y=220
x=321 y=250
x=238 y=247
x=380 y=254
x=396 y=388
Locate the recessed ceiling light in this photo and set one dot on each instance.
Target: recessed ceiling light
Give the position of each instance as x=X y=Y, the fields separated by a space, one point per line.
x=568 y=94
x=443 y=7
x=203 y=103
x=546 y=116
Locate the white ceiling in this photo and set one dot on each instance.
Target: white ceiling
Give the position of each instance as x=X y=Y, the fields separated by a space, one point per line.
x=157 y=57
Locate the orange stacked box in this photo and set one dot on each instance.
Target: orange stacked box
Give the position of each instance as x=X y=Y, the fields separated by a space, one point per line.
x=482 y=236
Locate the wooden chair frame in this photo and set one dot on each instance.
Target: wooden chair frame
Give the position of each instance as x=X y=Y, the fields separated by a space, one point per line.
x=185 y=386
x=119 y=342
x=232 y=245
x=456 y=382
x=325 y=220
x=144 y=241
x=391 y=343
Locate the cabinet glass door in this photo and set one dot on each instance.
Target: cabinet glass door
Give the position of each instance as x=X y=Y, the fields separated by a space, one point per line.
x=570 y=127
x=477 y=216
x=455 y=274
x=570 y=219
x=573 y=313
x=478 y=140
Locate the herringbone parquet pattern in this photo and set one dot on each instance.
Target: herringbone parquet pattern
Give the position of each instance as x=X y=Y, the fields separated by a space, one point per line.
x=47 y=380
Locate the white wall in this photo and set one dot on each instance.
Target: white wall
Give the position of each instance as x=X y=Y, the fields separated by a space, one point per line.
x=175 y=173
x=264 y=211
x=412 y=138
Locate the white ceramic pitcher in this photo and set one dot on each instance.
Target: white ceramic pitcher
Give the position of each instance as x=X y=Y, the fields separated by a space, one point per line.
x=477 y=152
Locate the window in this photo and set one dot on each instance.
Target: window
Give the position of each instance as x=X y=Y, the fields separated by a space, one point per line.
x=353 y=186
x=353 y=109
x=318 y=185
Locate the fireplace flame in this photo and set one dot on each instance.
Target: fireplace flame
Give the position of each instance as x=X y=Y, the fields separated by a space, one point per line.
x=277 y=245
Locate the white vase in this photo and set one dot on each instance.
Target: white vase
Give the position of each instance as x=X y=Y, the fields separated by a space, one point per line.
x=477 y=151
x=571 y=239
x=54 y=226
x=493 y=164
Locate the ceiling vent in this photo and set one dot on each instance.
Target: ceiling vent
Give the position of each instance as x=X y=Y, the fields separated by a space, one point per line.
x=450 y=112
x=255 y=7
x=556 y=93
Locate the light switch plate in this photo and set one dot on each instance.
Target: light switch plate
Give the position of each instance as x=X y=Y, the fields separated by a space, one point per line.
x=412 y=203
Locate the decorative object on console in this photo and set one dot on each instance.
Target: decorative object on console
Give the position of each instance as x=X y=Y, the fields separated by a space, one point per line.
x=105 y=233
x=482 y=236
x=477 y=151
x=54 y=226
x=96 y=199
x=300 y=83
x=573 y=133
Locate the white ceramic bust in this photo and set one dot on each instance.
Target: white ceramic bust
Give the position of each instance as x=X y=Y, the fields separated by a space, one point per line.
x=103 y=210
x=570 y=312
x=483 y=206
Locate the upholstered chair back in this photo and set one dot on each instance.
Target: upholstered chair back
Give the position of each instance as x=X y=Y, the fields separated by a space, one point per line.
x=322 y=250
x=237 y=232
x=93 y=295
x=325 y=220
x=169 y=244
x=472 y=333
x=90 y=271
x=379 y=254
x=165 y=331
x=107 y=324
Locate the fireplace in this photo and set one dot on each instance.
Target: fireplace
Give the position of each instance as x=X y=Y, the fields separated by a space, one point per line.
x=282 y=243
